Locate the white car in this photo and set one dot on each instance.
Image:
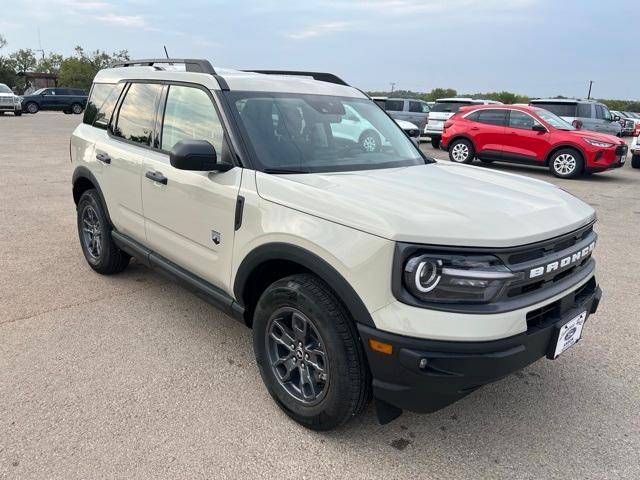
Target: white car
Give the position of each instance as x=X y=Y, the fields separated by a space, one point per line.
x=9 y=101
x=443 y=110
x=362 y=272
x=635 y=148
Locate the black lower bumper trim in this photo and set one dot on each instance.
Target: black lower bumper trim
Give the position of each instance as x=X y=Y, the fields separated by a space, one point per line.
x=426 y=375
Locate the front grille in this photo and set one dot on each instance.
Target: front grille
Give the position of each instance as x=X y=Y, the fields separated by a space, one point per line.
x=543 y=316
x=6 y=100
x=621 y=150
x=552 y=261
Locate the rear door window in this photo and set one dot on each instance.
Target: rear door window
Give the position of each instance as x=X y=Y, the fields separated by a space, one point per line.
x=101 y=103
x=418 y=107
x=560 y=109
x=137 y=115
x=394 y=105
x=584 y=110
x=492 y=117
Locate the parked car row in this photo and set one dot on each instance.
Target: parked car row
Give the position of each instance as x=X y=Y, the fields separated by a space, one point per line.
x=67 y=100
x=530 y=135
x=628 y=121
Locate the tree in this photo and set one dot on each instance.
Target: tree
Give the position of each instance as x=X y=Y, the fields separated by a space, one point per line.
x=3 y=41
x=76 y=73
x=50 y=64
x=25 y=60
x=441 y=93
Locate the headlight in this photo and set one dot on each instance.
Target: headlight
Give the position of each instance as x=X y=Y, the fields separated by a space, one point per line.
x=598 y=143
x=456 y=278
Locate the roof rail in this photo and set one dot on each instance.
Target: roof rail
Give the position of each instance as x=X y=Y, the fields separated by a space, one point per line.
x=190 y=64
x=320 y=76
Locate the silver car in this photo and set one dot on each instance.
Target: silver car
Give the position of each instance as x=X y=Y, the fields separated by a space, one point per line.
x=583 y=114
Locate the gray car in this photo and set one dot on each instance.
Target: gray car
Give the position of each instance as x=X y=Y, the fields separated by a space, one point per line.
x=408 y=109
x=584 y=114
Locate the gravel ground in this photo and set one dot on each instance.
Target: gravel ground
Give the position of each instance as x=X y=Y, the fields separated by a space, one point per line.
x=131 y=376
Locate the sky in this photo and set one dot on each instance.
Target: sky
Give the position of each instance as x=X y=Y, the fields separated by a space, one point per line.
x=532 y=47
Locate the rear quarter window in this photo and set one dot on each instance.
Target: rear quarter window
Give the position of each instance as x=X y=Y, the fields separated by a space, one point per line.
x=584 y=110
x=101 y=103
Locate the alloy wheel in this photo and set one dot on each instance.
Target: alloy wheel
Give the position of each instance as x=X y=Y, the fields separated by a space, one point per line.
x=92 y=233
x=460 y=152
x=32 y=108
x=564 y=164
x=370 y=144
x=297 y=355
x=77 y=109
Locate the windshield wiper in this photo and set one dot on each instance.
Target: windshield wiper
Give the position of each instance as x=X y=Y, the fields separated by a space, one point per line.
x=284 y=170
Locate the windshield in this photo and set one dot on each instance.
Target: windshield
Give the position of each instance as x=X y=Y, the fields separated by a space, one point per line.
x=4 y=88
x=39 y=91
x=554 y=120
x=298 y=133
x=448 y=106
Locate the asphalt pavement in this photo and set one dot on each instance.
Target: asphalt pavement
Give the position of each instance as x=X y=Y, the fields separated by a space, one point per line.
x=132 y=376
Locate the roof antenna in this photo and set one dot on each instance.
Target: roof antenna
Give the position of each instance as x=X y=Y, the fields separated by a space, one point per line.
x=165 y=51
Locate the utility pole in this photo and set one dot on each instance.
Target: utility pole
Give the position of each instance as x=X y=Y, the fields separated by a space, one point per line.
x=590 y=85
x=393 y=86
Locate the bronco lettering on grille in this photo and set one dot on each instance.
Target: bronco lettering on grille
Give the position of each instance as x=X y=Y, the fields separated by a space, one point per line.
x=563 y=262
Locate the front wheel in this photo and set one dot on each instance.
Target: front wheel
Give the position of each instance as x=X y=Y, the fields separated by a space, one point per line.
x=309 y=354
x=17 y=113
x=461 y=151
x=566 y=163
x=370 y=141
x=32 y=107
x=76 y=108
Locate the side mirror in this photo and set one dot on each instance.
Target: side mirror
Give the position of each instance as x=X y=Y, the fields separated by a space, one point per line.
x=197 y=156
x=538 y=128
x=616 y=118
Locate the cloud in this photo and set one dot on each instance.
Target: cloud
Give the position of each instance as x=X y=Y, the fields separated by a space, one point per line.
x=123 y=20
x=320 y=29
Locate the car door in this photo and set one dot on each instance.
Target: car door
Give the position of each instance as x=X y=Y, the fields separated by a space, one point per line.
x=604 y=119
x=523 y=143
x=121 y=151
x=487 y=130
x=418 y=113
x=190 y=215
x=48 y=100
x=395 y=108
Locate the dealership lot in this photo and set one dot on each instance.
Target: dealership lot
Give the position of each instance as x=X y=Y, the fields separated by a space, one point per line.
x=132 y=376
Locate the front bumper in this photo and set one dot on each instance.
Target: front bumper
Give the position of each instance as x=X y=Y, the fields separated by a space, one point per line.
x=607 y=159
x=455 y=369
x=11 y=108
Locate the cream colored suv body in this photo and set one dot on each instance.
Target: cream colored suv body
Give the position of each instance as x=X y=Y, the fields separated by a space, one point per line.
x=234 y=227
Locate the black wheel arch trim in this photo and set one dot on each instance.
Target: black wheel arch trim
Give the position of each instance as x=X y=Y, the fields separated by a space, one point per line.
x=310 y=261
x=82 y=172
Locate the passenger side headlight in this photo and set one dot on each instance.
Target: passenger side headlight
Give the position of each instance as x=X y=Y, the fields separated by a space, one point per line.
x=453 y=278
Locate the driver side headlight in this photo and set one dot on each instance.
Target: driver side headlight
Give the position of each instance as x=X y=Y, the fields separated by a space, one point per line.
x=453 y=278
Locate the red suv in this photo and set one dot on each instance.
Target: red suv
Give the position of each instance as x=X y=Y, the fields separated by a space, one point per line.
x=532 y=136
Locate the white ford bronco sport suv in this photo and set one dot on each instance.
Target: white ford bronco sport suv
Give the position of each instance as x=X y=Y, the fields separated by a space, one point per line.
x=363 y=272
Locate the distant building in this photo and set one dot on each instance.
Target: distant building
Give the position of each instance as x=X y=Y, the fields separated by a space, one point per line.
x=36 y=80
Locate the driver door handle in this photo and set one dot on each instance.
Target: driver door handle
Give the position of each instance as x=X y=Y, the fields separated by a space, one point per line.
x=156 y=177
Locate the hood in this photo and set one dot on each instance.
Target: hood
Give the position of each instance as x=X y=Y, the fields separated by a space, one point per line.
x=438 y=204
x=403 y=124
x=603 y=137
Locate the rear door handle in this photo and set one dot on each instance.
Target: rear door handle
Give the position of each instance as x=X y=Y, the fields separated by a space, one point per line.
x=103 y=157
x=156 y=177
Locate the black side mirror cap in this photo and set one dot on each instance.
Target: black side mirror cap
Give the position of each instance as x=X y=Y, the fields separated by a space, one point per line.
x=538 y=128
x=196 y=155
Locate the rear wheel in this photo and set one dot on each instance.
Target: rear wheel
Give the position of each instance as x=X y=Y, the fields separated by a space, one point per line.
x=94 y=231
x=566 y=163
x=435 y=142
x=76 y=108
x=370 y=141
x=309 y=354
x=461 y=151
x=635 y=161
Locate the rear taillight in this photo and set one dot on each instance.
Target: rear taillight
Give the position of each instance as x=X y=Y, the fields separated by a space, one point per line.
x=447 y=124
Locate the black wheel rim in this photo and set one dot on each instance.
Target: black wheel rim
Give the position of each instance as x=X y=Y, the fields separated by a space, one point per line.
x=91 y=232
x=297 y=355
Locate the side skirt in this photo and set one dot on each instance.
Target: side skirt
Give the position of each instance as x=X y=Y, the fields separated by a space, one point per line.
x=195 y=284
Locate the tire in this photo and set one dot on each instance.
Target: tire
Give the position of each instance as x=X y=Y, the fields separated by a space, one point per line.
x=103 y=255
x=17 y=113
x=635 y=161
x=76 y=108
x=32 y=107
x=369 y=141
x=461 y=151
x=285 y=355
x=566 y=163
x=435 y=142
